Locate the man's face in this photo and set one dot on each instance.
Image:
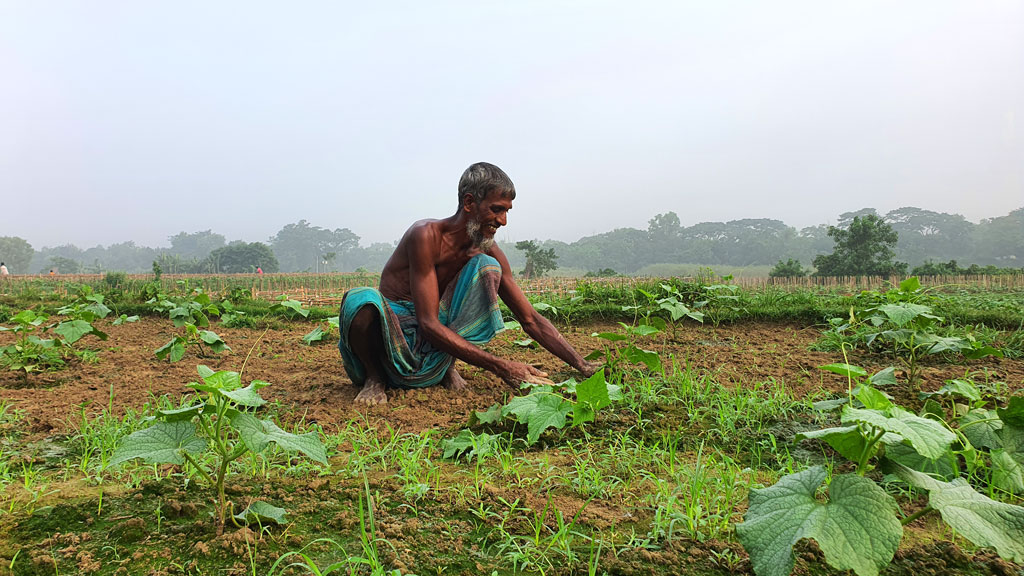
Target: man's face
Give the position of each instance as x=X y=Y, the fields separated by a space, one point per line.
x=486 y=217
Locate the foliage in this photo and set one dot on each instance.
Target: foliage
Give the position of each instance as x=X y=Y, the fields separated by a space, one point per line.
x=219 y=422
x=538 y=260
x=30 y=353
x=898 y=320
x=301 y=247
x=321 y=331
x=16 y=253
x=859 y=528
x=242 y=258
x=189 y=311
x=789 y=269
x=951 y=268
x=544 y=407
x=290 y=308
x=864 y=249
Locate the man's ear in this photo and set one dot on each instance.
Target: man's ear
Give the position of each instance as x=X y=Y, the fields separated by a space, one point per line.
x=468 y=202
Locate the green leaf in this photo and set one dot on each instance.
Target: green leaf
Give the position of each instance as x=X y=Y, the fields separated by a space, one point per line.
x=1007 y=472
x=73 y=330
x=857 y=529
x=847 y=441
x=525 y=343
x=981 y=428
x=1013 y=414
x=871 y=398
x=974 y=516
x=540 y=410
x=884 y=377
x=261 y=514
x=219 y=380
x=181 y=414
x=945 y=467
x=930 y=438
x=513 y=325
x=645 y=357
x=215 y=341
x=479 y=445
x=161 y=443
x=489 y=416
x=175 y=348
x=846 y=370
x=247 y=396
x=645 y=330
x=258 y=434
x=961 y=388
x=976 y=351
x=612 y=336
x=911 y=284
x=315 y=336
x=591 y=396
x=903 y=313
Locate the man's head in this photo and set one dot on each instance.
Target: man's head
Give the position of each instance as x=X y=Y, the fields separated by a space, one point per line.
x=486 y=194
x=481 y=179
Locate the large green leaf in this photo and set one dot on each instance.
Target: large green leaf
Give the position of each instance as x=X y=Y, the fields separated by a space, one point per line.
x=257 y=434
x=962 y=388
x=648 y=358
x=161 y=443
x=316 y=335
x=73 y=330
x=1007 y=472
x=489 y=416
x=981 y=428
x=930 y=438
x=983 y=521
x=174 y=349
x=903 y=313
x=857 y=529
x=186 y=413
x=848 y=440
x=946 y=467
x=591 y=396
x=1014 y=412
x=847 y=370
x=539 y=410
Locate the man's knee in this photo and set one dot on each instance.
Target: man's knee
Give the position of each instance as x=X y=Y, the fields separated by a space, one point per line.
x=365 y=320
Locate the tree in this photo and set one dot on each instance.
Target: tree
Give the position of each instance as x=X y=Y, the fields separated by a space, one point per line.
x=300 y=246
x=16 y=253
x=863 y=249
x=538 y=260
x=241 y=258
x=196 y=245
x=65 y=265
x=789 y=269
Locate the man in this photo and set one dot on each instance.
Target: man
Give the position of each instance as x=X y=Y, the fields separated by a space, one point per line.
x=438 y=301
x=3 y=270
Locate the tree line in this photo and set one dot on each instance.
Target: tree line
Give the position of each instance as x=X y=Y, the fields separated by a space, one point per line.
x=919 y=237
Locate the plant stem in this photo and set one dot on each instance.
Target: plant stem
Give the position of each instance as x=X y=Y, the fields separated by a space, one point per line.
x=917 y=515
x=862 y=464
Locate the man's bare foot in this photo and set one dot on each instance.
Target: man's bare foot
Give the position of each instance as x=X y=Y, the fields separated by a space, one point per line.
x=453 y=381
x=372 y=393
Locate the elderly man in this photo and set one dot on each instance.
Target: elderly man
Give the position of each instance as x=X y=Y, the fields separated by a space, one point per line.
x=438 y=302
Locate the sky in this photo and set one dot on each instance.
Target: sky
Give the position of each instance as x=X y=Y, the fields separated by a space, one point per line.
x=139 y=120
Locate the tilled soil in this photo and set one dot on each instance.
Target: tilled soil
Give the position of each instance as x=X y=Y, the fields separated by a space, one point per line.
x=310 y=384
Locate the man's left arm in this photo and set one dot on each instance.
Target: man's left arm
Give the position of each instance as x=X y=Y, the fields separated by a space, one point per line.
x=534 y=324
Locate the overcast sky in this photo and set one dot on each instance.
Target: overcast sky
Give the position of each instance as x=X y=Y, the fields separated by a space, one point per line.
x=138 y=120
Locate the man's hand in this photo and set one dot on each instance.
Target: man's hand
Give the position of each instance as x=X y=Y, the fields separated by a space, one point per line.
x=515 y=373
x=588 y=369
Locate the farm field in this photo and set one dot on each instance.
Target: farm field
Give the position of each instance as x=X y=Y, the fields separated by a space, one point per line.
x=646 y=469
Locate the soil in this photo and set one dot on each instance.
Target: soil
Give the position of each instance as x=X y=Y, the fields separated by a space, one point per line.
x=309 y=383
x=120 y=535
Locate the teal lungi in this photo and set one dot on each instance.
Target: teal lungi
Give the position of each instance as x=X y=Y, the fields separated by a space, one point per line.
x=469 y=306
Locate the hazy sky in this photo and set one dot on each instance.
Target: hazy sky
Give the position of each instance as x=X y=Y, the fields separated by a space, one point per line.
x=138 y=120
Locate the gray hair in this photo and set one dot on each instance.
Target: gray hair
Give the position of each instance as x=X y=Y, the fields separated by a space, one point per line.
x=481 y=179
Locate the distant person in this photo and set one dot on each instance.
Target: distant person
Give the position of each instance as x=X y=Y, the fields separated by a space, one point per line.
x=52 y=272
x=259 y=271
x=438 y=301
x=3 y=270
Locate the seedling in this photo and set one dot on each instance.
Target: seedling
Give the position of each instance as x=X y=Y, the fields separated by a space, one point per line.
x=220 y=423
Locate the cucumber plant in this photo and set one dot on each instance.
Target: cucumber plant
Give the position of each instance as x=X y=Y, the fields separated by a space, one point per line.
x=859 y=526
x=220 y=423
x=569 y=403
x=192 y=313
x=30 y=353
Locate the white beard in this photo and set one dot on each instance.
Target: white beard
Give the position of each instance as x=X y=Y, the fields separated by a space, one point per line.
x=479 y=241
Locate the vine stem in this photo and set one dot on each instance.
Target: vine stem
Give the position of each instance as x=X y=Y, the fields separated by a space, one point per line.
x=916 y=515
